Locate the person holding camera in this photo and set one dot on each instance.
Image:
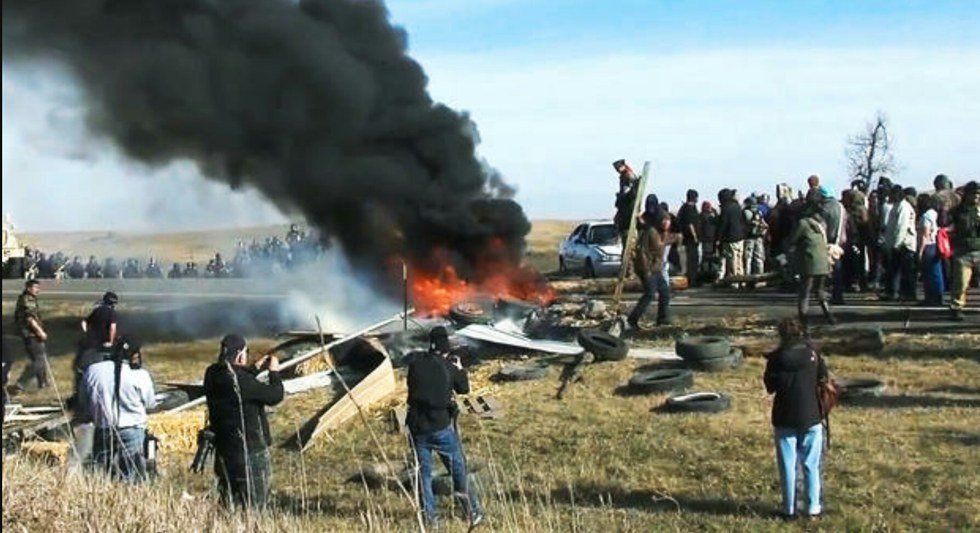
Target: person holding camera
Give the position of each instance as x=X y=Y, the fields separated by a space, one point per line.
x=116 y=394
x=433 y=377
x=236 y=408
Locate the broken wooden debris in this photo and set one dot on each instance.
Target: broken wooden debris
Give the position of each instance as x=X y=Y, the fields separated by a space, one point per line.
x=486 y=407
x=375 y=387
x=305 y=356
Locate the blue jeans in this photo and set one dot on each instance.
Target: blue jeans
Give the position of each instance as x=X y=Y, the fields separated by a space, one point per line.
x=244 y=482
x=795 y=447
x=119 y=453
x=654 y=284
x=444 y=442
x=932 y=275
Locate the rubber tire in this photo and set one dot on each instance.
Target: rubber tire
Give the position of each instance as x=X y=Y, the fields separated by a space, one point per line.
x=604 y=346
x=719 y=364
x=472 y=312
x=523 y=372
x=665 y=380
x=562 y=267
x=698 y=402
x=697 y=348
x=861 y=388
x=170 y=398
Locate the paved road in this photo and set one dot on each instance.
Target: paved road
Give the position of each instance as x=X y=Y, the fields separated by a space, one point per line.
x=700 y=302
x=201 y=289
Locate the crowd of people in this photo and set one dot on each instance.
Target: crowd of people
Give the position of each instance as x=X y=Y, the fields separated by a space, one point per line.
x=114 y=394
x=272 y=256
x=887 y=240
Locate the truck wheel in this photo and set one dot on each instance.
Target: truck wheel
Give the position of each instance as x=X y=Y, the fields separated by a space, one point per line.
x=699 y=402
x=666 y=380
x=472 y=312
x=698 y=348
x=562 y=267
x=604 y=346
x=589 y=269
x=718 y=364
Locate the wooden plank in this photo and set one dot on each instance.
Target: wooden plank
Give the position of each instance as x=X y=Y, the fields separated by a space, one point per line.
x=302 y=357
x=630 y=237
x=375 y=387
x=23 y=418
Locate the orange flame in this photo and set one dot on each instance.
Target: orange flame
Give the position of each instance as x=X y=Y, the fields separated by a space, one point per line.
x=434 y=290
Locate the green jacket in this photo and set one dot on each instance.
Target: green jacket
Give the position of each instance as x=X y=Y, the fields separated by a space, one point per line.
x=966 y=229
x=810 y=241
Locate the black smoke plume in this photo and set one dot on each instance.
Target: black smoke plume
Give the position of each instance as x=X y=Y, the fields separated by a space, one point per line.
x=315 y=103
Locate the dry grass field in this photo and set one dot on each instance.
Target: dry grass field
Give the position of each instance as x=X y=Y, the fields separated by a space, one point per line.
x=167 y=247
x=201 y=245
x=598 y=461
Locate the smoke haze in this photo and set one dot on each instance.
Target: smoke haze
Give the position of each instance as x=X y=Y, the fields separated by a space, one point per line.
x=315 y=104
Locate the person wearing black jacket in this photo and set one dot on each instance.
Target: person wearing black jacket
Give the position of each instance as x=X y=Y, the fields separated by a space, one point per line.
x=625 y=197
x=792 y=373
x=731 y=234
x=689 y=222
x=433 y=377
x=236 y=408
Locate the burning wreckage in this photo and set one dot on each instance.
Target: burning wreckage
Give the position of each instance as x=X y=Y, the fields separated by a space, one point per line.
x=363 y=367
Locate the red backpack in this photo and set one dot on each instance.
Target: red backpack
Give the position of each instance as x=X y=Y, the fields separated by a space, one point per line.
x=943 y=245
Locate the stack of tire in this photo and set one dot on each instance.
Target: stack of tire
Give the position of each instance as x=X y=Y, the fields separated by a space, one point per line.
x=708 y=354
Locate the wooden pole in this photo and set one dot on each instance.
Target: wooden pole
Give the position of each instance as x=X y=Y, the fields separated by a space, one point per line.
x=404 y=296
x=630 y=237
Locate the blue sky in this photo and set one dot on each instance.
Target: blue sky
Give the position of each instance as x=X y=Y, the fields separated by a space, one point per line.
x=715 y=94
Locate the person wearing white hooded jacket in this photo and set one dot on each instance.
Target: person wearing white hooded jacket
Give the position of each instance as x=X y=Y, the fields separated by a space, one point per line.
x=900 y=240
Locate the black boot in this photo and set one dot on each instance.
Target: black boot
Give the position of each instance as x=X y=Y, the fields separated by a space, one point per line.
x=826 y=312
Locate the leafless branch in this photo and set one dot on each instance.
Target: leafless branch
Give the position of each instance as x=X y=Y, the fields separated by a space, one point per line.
x=869 y=154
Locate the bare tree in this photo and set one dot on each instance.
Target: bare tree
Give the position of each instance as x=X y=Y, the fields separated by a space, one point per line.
x=869 y=154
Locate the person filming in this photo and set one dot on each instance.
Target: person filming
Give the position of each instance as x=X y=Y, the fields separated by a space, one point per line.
x=236 y=408
x=433 y=377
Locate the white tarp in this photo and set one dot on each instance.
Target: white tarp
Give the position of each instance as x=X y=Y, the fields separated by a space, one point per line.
x=508 y=334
